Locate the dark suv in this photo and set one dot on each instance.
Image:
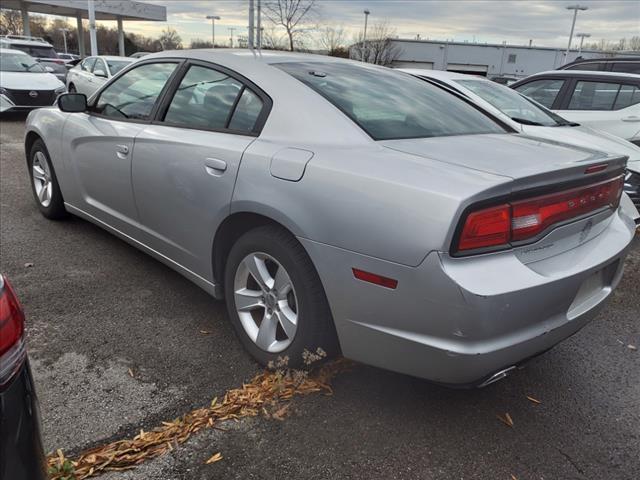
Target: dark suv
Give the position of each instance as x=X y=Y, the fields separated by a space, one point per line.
x=613 y=64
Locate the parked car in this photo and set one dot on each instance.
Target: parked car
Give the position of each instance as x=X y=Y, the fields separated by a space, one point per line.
x=503 y=80
x=21 y=450
x=139 y=54
x=626 y=64
x=68 y=57
x=603 y=100
x=531 y=118
x=24 y=83
x=335 y=203
x=92 y=72
x=39 y=49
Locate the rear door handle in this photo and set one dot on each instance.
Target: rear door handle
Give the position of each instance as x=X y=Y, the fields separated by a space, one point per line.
x=215 y=166
x=632 y=118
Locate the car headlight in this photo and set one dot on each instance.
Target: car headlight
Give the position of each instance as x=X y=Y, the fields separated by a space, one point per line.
x=3 y=91
x=60 y=90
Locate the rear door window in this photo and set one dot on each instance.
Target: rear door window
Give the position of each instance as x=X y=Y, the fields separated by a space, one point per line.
x=204 y=99
x=602 y=96
x=544 y=91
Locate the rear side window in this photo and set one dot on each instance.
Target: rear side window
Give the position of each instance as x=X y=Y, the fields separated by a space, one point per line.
x=391 y=105
x=544 y=91
x=134 y=94
x=602 y=96
x=590 y=66
x=626 y=67
x=246 y=113
x=204 y=99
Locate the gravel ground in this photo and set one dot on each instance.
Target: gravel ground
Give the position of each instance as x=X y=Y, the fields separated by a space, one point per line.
x=97 y=307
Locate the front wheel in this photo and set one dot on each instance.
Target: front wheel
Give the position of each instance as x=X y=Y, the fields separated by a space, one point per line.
x=72 y=88
x=44 y=183
x=275 y=298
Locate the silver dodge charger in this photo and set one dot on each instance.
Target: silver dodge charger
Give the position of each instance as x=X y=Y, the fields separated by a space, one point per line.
x=339 y=205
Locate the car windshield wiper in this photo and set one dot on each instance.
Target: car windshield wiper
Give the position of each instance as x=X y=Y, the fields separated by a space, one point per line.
x=524 y=121
x=566 y=124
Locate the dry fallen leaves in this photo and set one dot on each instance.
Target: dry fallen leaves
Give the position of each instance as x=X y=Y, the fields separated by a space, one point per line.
x=205 y=332
x=266 y=388
x=533 y=400
x=632 y=347
x=131 y=373
x=506 y=419
x=214 y=458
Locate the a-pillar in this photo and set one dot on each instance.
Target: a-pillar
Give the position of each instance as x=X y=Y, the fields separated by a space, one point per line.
x=120 y=37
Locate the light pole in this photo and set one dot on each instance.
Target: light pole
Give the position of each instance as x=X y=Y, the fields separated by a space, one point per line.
x=364 y=37
x=231 y=30
x=582 y=37
x=575 y=9
x=213 y=19
x=64 y=37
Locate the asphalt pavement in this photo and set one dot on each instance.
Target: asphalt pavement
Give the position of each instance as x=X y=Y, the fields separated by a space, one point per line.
x=98 y=311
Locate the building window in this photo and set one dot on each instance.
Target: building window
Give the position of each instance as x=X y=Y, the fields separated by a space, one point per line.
x=512 y=58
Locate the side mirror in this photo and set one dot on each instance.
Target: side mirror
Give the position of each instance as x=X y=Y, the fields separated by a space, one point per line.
x=100 y=73
x=49 y=69
x=72 y=102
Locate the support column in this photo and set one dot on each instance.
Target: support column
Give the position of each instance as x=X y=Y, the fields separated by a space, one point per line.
x=26 y=28
x=120 y=37
x=92 y=28
x=81 y=50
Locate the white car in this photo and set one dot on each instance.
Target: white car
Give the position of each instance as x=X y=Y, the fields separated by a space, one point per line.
x=24 y=83
x=39 y=49
x=93 y=72
x=606 y=101
x=531 y=118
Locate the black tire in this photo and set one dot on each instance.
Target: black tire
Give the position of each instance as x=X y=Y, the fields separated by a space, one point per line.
x=72 y=88
x=315 y=327
x=55 y=209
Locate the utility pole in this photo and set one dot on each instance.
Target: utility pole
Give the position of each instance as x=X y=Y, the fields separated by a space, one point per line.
x=64 y=37
x=213 y=19
x=364 y=37
x=575 y=9
x=251 y=18
x=231 y=30
x=582 y=37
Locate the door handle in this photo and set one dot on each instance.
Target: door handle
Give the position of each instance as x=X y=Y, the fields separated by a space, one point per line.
x=123 y=149
x=632 y=118
x=215 y=166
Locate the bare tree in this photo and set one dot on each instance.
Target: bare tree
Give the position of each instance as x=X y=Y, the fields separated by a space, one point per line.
x=170 y=40
x=199 y=43
x=292 y=15
x=272 y=39
x=332 y=39
x=634 y=43
x=10 y=22
x=378 y=47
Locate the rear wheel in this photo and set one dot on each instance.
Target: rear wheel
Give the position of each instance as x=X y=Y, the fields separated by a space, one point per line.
x=275 y=299
x=44 y=183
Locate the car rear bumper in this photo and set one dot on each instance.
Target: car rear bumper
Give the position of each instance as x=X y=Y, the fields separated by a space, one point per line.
x=459 y=321
x=21 y=451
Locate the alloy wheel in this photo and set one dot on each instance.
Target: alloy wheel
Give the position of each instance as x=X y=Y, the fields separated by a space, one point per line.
x=266 y=302
x=42 y=182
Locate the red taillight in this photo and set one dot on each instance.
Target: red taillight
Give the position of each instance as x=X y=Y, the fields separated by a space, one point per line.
x=486 y=228
x=375 y=278
x=525 y=219
x=11 y=331
x=11 y=319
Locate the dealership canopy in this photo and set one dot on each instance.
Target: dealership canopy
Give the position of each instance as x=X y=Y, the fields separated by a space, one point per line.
x=118 y=10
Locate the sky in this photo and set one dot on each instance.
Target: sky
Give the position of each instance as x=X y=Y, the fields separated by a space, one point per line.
x=546 y=22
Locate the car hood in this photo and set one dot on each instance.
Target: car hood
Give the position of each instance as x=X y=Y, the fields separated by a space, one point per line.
x=29 y=81
x=530 y=161
x=587 y=137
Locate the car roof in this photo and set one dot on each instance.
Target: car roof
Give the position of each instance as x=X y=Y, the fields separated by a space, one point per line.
x=113 y=57
x=31 y=41
x=12 y=50
x=586 y=73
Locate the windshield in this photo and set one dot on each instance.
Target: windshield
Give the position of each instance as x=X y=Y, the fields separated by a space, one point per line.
x=391 y=105
x=513 y=104
x=15 y=62
x=116 y=65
